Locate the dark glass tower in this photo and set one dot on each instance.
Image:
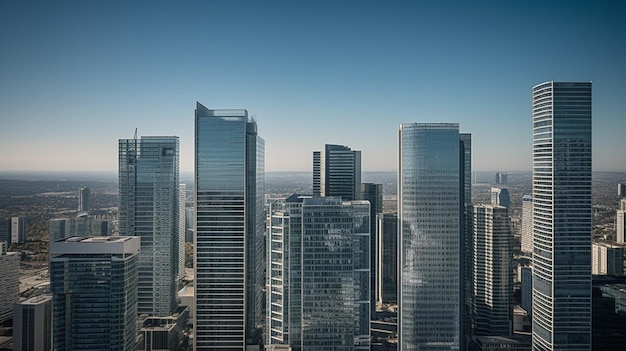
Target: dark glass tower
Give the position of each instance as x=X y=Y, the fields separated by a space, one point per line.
x=229 y=258
x=148 y=182
x=561 y=216
x=337 y=172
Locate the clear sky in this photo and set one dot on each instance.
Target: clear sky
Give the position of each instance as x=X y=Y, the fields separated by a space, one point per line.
x=76 y=76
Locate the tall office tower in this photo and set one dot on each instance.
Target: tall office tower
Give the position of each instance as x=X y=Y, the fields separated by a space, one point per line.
x=500 y=197
x=148 y=183
x=465 y=151
x=431 y=205
x=492 y=310
x=621 y=189
x=374 y=194
x=526 y=288
x=84 y=199
x=607 y=259
x=182 y=228
x=497 y=181
x=503 y=178
x=527 y=225
x=620 y=222
x=561 y=216
x=94 y=293
x=9 y=281
x=32 y=324
x=59 y=228
x=5 y=230
x=337 y=172
x=309 y=310
x=387 y=258
x=18 y=230
x=229 y=258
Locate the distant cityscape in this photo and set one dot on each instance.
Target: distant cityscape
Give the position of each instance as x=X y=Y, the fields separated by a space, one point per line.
x=435 y=256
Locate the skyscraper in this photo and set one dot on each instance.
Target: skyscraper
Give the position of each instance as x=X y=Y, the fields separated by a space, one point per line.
x=387 y=260
x=492 y=312
x=84 y=199
x=18 y=230
x=148 y=183
x=431 y=204
x=9 y=281
x=230 y=222
x=561 y=216
x=182 y=228
x=337 y=172
x=527 y=225
x=318 y=274
x=500 y=197
x=5 y=230
x=620 y=222
x=32 y=324
x=374 y=194
x=94 y=293
x=607 y=259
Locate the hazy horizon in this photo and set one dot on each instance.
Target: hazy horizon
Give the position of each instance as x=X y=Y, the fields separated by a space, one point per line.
x=78 y=76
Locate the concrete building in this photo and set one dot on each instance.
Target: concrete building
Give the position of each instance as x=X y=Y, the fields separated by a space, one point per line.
x=9 y=281
x=32 y=324
x=229 y=258
x=94 y=293
x=492 y=302
x=18 y=230
x=607 y=259
x=562 y=216
x=527 y=225
x=149 y=209
x=433 y=242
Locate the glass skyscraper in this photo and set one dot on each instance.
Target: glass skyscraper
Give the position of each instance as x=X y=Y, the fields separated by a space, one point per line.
x=318 y=274
x=561 y=116
x=94 y=287
x=431 y=204
x=337 y=172
x=149 y=206
x=229 y=244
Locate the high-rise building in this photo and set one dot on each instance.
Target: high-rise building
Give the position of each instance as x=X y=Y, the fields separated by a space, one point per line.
x=230 y=221
x=527 y=225
x=18 y=230
x=94 y=293
x=5 y=230
x=374 y=194
x=32 y=324
x=561 y=216
x=318 y=274
x=148 y=186
x=492 y=310
x=620 y=222
x=607 y=259
x=337 y=172
x=526 y=288
x=431 y=206
x=387 y=258
x=182 y=228
x=84 y=199
x=500 y=197
x=9 y=281
x=621 y=189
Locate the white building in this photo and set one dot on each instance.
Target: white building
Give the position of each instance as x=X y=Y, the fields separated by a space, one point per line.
x=607 y=259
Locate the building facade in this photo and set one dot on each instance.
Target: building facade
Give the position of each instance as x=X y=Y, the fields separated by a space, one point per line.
x=230 y=222
x=32 y=324
x=387 y=258
x=182 y=229
x=318 y=274
x=492 y=310
x=607 y=259
x=374 y=194
x=9 y=281
x=620 y=222
x=84 y=199
x=148 y=187
x=527 y=225
x=562 y=216
x=500 y=197
x=431 y=206
x=94 y=293
x=18 y=230
x=337 y=172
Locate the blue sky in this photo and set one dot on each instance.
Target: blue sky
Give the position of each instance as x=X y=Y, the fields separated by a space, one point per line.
x=76 y=76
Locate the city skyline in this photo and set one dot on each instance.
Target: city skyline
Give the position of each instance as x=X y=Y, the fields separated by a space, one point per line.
x=78 y=77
